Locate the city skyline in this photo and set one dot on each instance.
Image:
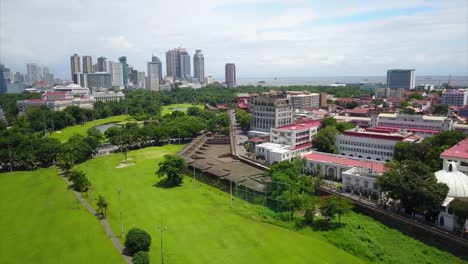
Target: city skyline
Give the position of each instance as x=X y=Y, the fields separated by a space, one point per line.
x=265 y=38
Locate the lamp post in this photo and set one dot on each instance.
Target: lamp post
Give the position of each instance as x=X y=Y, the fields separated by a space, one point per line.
x=120 y=206
x=162 y=229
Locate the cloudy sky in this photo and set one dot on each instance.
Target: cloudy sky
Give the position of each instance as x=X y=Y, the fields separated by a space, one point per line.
x=265 y=38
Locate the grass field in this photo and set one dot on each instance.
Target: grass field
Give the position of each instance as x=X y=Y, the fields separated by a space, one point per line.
x=201 y=226
x=43 y=222
x=67 y=132
x=166 y=109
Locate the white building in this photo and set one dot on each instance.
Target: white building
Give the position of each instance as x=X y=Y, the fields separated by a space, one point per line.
x=115 y=70
x=374 y=145
x=306 y=100
x=58 y=101
x=333 y=165
x=423 y=125
x=458 y=97
x=273 y=152
x=355 y=120
x=108 y=96
x=458 y=154
x=361 y=180
x=457 y=182
x=74 y=89
x=295 y=134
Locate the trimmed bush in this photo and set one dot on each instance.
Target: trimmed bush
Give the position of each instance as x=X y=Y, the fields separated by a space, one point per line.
x=137 y=240
x=141 y=257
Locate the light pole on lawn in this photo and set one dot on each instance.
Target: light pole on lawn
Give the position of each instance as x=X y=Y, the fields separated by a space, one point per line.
x=120 y=206
x=162 y=229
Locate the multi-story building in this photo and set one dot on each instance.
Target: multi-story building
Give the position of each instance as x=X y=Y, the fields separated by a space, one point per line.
x=230 y=74
x=458 y=154
x=75 y=66
x=273 y=153
x=295 y=134
x=305 y=100
x=108 y=96
x=151 y=84
x=173 y=64
x=371 y=144
x=3 y=80
x=140 y=80
x=57 y=101
x=423 y=125
x=154 y=78
x=47 y=77
x=401 y=79
x=98 y=80
x=102 y=64
x=457 y=97
x=323 y=99
x=184 y=65
x=19 y=77
x=269 y=111
x=34 y=73
x=115 y=70
x=2 y=114
x=73 y=89
x=123 y=62
x=87 y=64
x=199 y=66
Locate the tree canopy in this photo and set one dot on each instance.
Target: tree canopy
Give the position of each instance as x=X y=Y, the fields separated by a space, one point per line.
x=173 y=167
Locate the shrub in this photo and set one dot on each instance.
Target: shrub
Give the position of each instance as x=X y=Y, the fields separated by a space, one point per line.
x=141 y=257
x=137 y=240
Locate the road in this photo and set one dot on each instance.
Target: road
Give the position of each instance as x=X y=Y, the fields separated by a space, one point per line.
x=238 y=136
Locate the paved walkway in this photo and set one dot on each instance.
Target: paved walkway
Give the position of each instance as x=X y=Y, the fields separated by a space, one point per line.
x=103 y=221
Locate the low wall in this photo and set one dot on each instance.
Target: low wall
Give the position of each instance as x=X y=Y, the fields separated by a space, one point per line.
x=429 y=235
x=253 y=163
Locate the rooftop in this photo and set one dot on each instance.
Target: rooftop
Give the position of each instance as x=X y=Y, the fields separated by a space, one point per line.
x=387 y=135
x=346 y=161
x=300 y=126
x=459 y=150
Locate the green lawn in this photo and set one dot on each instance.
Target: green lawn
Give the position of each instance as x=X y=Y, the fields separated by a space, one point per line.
x=67 y=132
x=43 y=222
x=166 y=109
x=201 y=226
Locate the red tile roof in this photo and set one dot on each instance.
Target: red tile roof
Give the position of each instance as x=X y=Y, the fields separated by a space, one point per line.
x=360 y=110
x=459 y=150
x=393 y=137
x=300 y=126
x=407 y=129
x=302 y=146
x=346 y=161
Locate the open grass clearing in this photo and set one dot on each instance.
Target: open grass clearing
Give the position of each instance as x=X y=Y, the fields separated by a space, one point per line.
x=167 y=109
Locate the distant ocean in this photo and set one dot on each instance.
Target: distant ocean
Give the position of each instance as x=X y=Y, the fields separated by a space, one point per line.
x=285 y=81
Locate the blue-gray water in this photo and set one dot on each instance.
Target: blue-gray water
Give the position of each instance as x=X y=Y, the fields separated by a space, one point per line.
x=279 y=81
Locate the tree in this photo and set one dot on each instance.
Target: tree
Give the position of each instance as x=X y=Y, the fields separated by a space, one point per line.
x=137 y=240
x=330 y=206
x=328 y=121
x=80 y=181
x=173 y=167
x=459 y=206
x=141 y=257
x=414 y=185
x=342 y=126
x=102 y=205
x=325 y=139
x=440 y=110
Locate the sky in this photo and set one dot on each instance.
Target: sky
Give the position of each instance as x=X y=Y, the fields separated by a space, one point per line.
x=264 y=38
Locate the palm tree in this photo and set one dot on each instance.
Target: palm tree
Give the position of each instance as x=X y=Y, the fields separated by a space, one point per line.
x=102 y=205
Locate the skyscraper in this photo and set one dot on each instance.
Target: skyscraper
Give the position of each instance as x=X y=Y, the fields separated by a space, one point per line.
x=154 y=77
x=115 y=70
x=401 y=79
x=87 y=64
x=3 y=81
x=230 y=74
x=199 y=66
x=102 y=64
x=74 y=65
x=184 y=65
x=173 y=63
x=47 y=77
x=123 y=61
x=34 y=73
x=19 y=77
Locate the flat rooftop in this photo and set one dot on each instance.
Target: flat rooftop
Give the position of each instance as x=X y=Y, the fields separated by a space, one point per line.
x=345 y=161
x=300 y=126
x=459 y=150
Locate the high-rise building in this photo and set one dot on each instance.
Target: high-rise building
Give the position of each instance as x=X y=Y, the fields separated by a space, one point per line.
x=173 y=64
x=123 y=62
x=141 y=80
x=87 y=64
x=34 y=73
x=401 y=79
x=230 y=75
x=305 y=100
x=184 y=65
x=154 y=78
x=98 y=80
x=95 y=67
x=19 y=77
x=115 y=70
x=199 y=66
x=133 y=77
x=102 y=64
x=74 y=65
x=3 y=81
x=47 y=77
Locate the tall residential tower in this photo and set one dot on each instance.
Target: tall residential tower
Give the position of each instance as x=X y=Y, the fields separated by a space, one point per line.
x=199 y=66
x=75 y=65
x=230 y=74
x=87 y=64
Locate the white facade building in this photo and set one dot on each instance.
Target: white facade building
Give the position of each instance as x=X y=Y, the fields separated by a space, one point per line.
x=361 y=180
x=115 y=70
x=457 y=97
x=295 y=134
x=420 y=124
x=458 y=154
x=371 y=145
x=306 y=100
x=108 y=96
x=274 y=153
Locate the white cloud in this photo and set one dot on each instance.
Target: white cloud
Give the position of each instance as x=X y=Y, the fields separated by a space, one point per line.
x=263 y=37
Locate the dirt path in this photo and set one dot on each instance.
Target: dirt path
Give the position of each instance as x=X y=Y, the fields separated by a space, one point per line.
x=103 y=221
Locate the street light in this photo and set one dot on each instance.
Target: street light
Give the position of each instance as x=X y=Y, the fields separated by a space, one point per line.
x=120 y=206
x=162 y=252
